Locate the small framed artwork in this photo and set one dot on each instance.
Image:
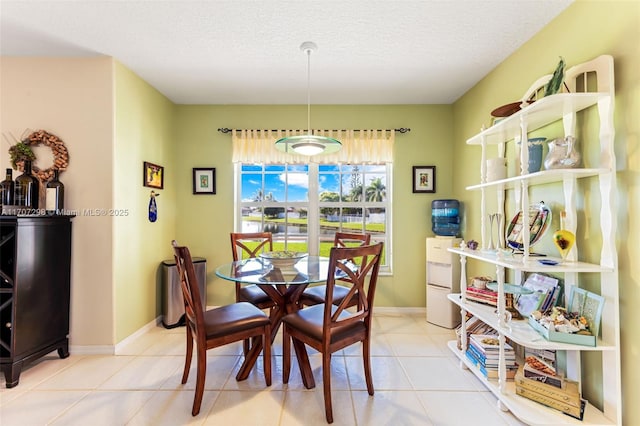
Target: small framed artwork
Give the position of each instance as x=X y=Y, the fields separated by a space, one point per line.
x=424 y=179
x=152 y=175
x=204 y=181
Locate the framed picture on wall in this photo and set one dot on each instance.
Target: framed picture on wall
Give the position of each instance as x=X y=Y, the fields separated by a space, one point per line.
x=204 y=180
x=424 y=179
x=152 y=175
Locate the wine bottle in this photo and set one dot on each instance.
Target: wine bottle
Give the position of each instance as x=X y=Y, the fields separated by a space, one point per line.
x=6 y=189
x=27 y=188
x=55 y=195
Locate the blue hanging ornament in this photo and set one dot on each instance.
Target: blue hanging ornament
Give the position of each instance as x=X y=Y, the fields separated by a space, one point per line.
x=153 y=208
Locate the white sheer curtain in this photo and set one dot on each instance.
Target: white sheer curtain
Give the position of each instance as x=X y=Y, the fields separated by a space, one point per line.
x=358 y=146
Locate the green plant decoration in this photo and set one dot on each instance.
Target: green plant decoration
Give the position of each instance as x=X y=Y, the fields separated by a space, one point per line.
x=20 y=152
x=553 y=86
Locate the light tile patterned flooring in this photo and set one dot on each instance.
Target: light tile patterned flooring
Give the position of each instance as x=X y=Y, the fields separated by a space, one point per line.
x=417 y=381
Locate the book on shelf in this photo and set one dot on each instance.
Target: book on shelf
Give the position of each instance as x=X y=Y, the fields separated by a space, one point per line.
x=489 y=342
x=490 y=359
x=570 y=410
x=490 y=372
x=536 y=374
x=473 y=325
x=545 y=292
x=488 y=362
x=475 y=299
x=569 y=393
x=491 y=354
x=540 y=364
x=546 y=355
x=493 y=373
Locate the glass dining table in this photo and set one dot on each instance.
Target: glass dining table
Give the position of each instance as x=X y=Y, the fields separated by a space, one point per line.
x=284 y=285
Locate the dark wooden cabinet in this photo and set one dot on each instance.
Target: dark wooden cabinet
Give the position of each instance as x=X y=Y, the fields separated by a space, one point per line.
x=35 y=272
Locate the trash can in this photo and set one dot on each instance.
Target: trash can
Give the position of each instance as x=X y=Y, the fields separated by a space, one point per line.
x=172 y=301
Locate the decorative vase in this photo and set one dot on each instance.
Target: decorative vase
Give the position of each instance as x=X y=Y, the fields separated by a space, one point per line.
x=563 y=239
x=563 y=154
x=534 y=145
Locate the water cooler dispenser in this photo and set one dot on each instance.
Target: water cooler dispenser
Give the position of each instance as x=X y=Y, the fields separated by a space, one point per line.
x=445 y=217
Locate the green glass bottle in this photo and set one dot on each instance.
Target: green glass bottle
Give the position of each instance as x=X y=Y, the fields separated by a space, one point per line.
x=7 y=189
x=27 y=188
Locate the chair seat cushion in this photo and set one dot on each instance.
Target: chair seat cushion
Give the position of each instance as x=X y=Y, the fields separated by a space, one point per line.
x=309 y=321
x=316 y=294
x=254 y=295
x=233 y=318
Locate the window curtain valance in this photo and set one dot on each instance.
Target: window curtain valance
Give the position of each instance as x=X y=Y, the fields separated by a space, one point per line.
x=358 y=146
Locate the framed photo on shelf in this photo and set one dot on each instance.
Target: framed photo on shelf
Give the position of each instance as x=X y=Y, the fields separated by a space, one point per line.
x=152 y=175
x=204 y=180
x=424 y=179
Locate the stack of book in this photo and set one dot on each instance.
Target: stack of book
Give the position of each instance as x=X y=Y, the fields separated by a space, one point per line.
x=483 y=351
x=535 y=382
x=473 y=326
x=540 y=365
x=480 y=295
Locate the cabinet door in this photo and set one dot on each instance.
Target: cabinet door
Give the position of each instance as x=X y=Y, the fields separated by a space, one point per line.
x=41 y=284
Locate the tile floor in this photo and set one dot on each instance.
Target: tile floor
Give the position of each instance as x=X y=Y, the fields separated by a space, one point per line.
x=417 y=381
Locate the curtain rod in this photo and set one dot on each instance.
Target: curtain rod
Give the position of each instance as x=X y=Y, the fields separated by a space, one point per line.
x=400 y=130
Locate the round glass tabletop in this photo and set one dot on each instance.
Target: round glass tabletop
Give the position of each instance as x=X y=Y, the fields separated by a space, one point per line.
x=308 y=269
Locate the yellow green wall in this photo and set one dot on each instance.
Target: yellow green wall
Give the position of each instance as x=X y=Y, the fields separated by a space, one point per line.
x=144 y=123
x=206 y=220
x=582 y=32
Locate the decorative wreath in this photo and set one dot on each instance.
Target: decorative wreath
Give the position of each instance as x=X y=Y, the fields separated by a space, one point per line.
x=60 y=154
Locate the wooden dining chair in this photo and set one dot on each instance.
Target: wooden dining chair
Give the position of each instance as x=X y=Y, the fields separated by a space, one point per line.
x=249 y=245
x=329 y=328
x=315 y=295
x=216 y=327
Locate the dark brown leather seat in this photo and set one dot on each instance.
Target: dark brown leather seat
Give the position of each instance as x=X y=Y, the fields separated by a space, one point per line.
x=315 y=295
x=328 y=327
x=216 y=327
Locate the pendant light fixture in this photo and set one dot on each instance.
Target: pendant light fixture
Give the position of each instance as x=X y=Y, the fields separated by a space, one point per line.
x=308 y=144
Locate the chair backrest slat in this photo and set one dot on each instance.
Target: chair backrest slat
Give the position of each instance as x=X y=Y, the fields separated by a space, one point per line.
x=351 y=239
x=242 y=244
x=358 y=266
x=190 y=291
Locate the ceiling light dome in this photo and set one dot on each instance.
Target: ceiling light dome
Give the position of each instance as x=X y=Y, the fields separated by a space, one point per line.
x=308 y=144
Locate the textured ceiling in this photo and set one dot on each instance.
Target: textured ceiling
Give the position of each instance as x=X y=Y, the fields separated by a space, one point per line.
x=247 y=52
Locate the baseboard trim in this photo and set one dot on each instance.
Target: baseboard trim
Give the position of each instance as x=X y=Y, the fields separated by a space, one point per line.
x=390 y=310
x=120 y=346
x=117 y=348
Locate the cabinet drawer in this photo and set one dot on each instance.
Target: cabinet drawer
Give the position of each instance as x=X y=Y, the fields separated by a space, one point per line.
x=440 y=274
x=437 y=249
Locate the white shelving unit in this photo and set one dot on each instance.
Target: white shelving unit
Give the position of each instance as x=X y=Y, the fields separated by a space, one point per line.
x=560 y=107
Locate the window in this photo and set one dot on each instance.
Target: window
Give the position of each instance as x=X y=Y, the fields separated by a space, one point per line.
x=304 y=205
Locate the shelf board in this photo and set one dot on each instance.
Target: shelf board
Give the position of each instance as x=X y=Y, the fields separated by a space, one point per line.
x=528 y=411
x=520 y=331
x=538 y=114
x=539 y=178
x=517 y=262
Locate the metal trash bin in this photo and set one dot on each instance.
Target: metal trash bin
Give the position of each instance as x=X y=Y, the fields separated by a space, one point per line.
x=172 y=301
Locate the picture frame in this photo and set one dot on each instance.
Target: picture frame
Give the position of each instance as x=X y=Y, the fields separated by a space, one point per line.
x=152 y=175
x=204 y=180
x=424 y=179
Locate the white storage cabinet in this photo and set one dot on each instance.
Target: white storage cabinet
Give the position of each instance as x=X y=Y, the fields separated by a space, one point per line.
x=443 y=278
